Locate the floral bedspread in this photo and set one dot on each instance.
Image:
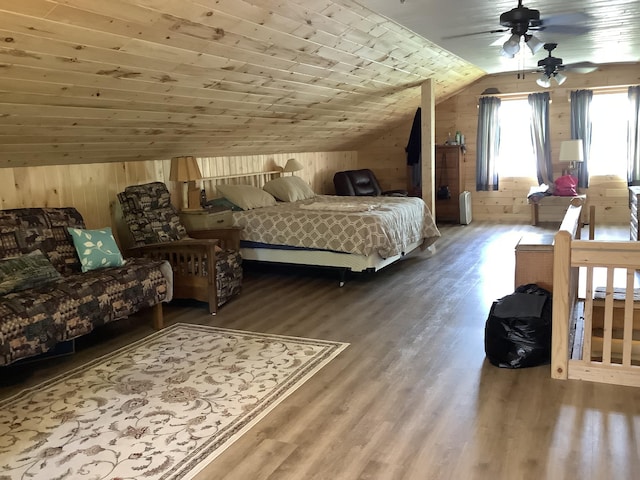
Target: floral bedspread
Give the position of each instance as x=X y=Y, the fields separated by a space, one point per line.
x=387 y=226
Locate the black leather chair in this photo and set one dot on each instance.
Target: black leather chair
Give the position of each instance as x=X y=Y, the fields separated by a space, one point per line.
x=361 y=183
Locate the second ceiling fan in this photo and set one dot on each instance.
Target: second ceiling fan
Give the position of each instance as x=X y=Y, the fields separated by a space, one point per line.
x=552 y=67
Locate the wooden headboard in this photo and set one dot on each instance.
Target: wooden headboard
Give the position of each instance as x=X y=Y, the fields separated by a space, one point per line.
x=255 y=179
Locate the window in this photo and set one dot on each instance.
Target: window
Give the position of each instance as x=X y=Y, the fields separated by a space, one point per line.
x=515 y=157
x=609 y=116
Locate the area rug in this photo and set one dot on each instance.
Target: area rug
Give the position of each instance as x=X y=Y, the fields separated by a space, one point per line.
x=160 y=408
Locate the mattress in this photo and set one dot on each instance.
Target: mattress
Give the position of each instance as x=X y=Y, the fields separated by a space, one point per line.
x=386 y=226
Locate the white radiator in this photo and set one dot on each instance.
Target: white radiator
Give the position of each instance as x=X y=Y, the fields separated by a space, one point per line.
x=465 y=208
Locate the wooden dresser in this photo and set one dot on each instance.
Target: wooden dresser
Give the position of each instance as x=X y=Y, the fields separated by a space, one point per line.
x=634 y=193
x=449 y=171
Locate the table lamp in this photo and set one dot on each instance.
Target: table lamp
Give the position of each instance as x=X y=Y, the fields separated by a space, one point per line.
x=571 y=151
x=293 y=165
x=185 y=169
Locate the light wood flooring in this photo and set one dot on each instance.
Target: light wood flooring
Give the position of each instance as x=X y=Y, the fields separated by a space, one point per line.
x=412 y=397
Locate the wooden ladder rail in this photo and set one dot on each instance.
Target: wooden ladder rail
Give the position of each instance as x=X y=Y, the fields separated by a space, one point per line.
x=570 y=255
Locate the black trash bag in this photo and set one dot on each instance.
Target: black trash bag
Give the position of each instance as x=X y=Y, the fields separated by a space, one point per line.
x=518 y=331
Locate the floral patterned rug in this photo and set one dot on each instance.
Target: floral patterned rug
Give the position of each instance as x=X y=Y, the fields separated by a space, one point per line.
x=160 y=408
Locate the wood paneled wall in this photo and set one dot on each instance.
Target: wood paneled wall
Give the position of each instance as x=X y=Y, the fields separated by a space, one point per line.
x=607 y=193
x=386 y=155
x=460 y=112
x=92 y=188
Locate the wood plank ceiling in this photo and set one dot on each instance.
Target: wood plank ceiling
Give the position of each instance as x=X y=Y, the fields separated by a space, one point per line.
x=85 y=81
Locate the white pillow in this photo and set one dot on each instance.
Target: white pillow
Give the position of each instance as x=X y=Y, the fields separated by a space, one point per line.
x=289 y=189
x=246 y=196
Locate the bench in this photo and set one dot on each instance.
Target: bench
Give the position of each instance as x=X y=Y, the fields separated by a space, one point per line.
x=551 y=208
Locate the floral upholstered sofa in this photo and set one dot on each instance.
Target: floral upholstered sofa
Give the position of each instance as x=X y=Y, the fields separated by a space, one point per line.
x=59 y=280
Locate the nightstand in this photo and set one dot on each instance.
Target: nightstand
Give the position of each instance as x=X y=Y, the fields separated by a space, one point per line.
x=206 y=219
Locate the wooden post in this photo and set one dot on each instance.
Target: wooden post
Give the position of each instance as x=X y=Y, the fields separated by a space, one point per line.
x=156 y=316
x=561 y=307
x=428 y=135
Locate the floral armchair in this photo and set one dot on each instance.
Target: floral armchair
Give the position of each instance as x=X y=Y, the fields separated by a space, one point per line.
x=207 y=268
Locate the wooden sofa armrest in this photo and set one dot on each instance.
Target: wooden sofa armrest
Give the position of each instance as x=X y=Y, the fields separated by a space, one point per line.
x=187 y=257
x=193 y=262
x=202 y=246
x=229 y=238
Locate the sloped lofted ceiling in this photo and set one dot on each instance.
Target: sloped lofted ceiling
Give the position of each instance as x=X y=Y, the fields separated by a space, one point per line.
x=597 y=31
x=85 y=81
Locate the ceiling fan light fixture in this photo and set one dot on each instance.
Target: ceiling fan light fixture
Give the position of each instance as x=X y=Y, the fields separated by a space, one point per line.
x=534 y=43
x=544 y=81
x=512 y=46
x=560 y=78
x=505 y=54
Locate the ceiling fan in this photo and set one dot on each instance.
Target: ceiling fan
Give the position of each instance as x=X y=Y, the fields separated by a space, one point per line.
x=521 y=21
x=551 y=67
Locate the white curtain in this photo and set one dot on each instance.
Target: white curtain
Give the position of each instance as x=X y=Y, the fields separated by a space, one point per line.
x=488 y=144
x=633 y=137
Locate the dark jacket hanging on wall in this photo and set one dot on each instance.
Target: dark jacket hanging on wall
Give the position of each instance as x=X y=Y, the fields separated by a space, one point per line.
x=414 y=147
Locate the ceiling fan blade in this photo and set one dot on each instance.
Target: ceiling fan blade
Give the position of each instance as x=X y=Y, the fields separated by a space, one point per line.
x=582 y=67
x=566 y=19
x=565 y=29
x=501 y=30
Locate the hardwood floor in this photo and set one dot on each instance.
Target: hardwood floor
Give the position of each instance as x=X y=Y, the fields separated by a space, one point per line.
x=412 y=397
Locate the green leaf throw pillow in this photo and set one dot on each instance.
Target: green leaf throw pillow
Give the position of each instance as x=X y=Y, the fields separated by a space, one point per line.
x=27 y=271
x=96 y=248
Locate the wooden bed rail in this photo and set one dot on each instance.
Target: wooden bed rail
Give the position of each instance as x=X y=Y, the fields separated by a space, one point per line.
x=609 y=353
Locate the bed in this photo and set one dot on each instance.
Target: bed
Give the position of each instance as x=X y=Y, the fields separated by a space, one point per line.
x=286 y=222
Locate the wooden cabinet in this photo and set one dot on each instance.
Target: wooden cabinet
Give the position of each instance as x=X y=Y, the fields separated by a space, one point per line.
x=534 y=260
x=634 y=193
x=449 y=171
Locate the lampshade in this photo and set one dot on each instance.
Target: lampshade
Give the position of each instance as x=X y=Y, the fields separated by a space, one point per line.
x=293 y=165
x=534 y=43
x=184 y=169
x=571 y=151
x=544 y=81
x=512 y=46
x=560 y=78
x=505 y=54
